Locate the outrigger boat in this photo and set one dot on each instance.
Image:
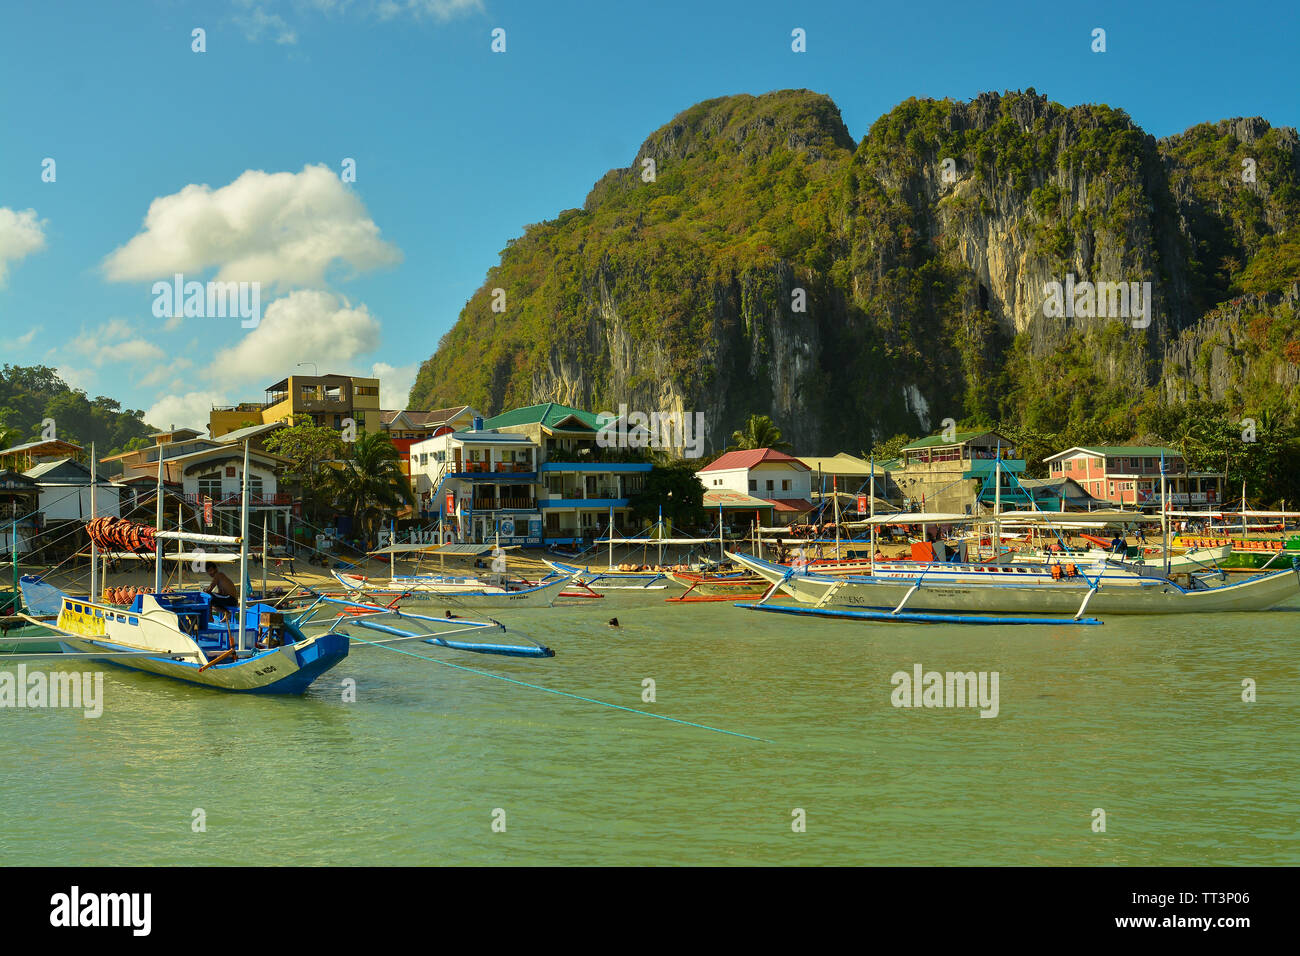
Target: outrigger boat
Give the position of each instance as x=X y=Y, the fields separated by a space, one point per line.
x=178 y=635
x=462 y=593
x=1003 y=594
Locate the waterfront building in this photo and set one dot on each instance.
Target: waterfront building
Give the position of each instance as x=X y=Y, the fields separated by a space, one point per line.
x=530 y=475
x=580 y=482
x=405 y=427
x=1130 y=475
x=952 y=474
x=782 y=481
x=327 y=400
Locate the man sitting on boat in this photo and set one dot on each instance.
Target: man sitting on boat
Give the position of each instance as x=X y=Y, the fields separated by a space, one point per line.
x=222 y=588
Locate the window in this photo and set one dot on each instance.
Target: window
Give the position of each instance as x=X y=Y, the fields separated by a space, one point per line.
x=769 y=484
x=785 y=484
x=753 y=485
x=210 y=486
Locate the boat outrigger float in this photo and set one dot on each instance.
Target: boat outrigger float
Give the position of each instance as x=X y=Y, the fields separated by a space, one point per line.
x=394 y=626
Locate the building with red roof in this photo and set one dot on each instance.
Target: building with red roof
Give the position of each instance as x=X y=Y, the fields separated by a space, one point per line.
x=782 y=482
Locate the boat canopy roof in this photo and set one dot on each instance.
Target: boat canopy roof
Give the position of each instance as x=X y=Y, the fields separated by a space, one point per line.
x=472 y=550
x=656 y=541
x=1073 y=519
x=901 y=517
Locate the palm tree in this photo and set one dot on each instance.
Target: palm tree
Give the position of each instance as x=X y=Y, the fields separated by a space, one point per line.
x=759 y=432
x=370 y=483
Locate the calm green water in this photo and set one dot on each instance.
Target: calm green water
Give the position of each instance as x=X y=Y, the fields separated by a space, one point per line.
x=1141 y=717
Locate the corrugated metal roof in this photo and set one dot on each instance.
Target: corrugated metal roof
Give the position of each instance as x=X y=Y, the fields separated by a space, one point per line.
x=549 y=415
x=749 y=457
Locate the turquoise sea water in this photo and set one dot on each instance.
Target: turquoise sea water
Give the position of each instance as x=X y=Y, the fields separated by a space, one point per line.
x=1141 y=717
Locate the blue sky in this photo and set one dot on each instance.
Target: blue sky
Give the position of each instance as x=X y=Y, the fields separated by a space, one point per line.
x=457 y=148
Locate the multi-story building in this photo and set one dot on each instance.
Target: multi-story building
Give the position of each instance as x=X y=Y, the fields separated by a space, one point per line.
x=783 y=482
x=206 y=472
x=953 y=474
x=1130 y=475
x=481 y=483
x=328 y=400
x=528 y=475
x=405 y=427
x=581 y=483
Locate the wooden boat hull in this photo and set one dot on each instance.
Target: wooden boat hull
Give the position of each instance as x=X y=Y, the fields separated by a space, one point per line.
x=1065 y=597
x=281 y=670
x=149 y=637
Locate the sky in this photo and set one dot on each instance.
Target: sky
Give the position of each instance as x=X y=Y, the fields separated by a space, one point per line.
x=231 y=163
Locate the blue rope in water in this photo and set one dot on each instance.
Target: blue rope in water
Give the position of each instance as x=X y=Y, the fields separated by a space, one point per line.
x=562 y=693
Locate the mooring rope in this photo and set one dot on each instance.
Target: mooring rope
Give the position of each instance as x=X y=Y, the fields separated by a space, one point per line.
x=562 y=693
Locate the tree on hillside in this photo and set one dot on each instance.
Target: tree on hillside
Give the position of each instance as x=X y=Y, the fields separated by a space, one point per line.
x=759 y=432
x=369 y=484
x=310 y=447
x=888 y=449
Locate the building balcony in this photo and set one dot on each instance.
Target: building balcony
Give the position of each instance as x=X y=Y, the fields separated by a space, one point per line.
x=505 y=504
x=278 y=500
x=597 y=466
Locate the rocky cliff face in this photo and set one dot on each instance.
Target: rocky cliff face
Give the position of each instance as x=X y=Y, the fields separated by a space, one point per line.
x=754 y=259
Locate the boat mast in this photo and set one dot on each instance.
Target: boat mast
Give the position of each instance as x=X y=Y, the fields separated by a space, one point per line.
x=1243 y=508
x=94 y=548
x=263 y=555
x=611 y=536
x=835 y=490
x=721 y=554
x=997 y=502
x=243 y=548
x=1164 y=515
x=871 y=512
x=158 y=523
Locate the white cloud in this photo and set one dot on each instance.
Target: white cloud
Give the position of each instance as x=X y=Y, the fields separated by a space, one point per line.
x=257 y=22
x=190 y=410
x=82 y=378
x=437 y=9
x=26 y=338
x=116 y=342
x=307 y=325
x=21 y=234
x=394 y=383
x=281 y=229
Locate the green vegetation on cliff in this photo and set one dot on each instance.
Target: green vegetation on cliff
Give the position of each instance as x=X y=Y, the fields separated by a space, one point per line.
x=855 y=291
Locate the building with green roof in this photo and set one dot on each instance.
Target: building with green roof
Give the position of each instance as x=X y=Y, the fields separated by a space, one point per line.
x=953 y=473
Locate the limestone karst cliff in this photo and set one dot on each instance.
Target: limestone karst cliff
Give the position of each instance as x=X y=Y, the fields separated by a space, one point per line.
x=753 y=257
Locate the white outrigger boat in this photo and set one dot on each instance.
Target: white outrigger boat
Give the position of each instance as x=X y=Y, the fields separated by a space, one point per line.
x=1003 y=593
x=458 y=592
x=178 y=635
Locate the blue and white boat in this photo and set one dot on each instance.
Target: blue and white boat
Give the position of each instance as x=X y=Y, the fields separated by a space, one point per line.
x=247 y=649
